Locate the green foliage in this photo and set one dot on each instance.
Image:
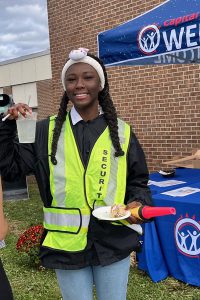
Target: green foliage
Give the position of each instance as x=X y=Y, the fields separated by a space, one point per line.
x=29 y=283
x=142 y=288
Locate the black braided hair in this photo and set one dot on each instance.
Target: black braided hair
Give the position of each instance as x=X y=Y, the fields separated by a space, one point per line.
x=109 y=110
x=60 y=119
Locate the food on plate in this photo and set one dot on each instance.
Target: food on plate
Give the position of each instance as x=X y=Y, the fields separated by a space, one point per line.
x=117 y=211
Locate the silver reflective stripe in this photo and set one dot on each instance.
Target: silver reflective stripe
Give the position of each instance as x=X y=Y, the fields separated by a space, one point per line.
x=59 y=175
x=65 y=219
x=112 y=184
x=98 y=205
x=136 y=227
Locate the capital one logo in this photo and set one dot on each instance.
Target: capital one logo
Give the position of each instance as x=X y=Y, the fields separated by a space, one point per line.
x=149 y=39
x=187 y=236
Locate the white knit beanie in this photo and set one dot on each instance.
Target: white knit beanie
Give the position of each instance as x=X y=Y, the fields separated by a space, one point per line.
x=80 y=55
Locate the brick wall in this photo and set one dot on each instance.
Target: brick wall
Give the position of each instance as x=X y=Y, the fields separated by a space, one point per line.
x=45 y=98
x=7 y=90
x=161 y=102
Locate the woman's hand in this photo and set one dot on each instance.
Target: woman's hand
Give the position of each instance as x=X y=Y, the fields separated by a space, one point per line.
x=132 y=219
x=21 y=108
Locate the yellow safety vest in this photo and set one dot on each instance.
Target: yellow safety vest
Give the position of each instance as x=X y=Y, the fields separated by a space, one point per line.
x=76 y=190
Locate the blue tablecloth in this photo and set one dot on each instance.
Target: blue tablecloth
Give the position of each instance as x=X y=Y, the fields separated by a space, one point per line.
x=181 y=174
x=171 y=244
x=151 y=258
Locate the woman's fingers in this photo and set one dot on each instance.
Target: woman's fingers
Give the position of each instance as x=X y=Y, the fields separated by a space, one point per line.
x=134 y=220
x=21 y=108
x=13 y=113
x=133 y=204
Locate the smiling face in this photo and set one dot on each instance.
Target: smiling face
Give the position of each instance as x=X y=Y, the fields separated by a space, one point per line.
x=82 y=87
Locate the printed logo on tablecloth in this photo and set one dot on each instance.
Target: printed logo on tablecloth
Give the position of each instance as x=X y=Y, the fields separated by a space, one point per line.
x=187 y=236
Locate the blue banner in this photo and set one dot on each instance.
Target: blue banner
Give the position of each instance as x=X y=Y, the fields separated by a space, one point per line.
x=167 y=34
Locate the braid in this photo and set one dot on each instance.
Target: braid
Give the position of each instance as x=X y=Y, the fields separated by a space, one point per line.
x=61 y=117
x=111 y=119
x=110 y=113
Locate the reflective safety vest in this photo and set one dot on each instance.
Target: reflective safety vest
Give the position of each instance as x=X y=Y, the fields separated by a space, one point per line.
x=76 y=189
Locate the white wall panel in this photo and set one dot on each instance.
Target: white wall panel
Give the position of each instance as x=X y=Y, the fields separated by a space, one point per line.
x=43 y=68
x=4 y=76
x=15 y=73
x=24 y=92
x=26 y=71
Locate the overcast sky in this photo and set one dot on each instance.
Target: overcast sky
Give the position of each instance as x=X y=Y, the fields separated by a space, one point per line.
x=23 y=27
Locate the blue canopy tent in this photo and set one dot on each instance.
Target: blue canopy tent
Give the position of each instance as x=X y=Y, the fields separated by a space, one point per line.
x=167 y=34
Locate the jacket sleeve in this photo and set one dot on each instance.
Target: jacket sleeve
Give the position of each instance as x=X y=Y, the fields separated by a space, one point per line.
x=15 y=159
x=137 y=176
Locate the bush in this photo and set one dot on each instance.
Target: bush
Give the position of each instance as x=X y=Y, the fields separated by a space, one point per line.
x=29 y=243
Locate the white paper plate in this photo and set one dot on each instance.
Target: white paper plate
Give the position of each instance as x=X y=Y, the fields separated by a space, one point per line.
x=103 y=213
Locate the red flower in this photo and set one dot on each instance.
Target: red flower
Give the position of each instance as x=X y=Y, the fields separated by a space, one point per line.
x=29 y=242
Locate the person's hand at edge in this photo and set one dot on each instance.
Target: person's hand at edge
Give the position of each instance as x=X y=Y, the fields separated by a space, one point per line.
x=132 y=219
x=21 y=108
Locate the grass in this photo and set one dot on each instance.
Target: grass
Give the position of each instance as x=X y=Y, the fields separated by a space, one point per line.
x=29 y=283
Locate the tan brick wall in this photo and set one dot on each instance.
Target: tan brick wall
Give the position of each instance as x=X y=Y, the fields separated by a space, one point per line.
x=46 y=105
x=7 y=90
x=162 y=103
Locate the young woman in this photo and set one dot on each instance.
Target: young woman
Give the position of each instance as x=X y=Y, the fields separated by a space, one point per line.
x=82 y=159
x=5 y=289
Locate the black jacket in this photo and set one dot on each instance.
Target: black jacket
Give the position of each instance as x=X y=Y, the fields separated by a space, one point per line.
x=107 y=243
x=5 y=288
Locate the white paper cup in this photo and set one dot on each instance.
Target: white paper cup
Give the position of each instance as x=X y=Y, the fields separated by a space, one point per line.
x=26 y=128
